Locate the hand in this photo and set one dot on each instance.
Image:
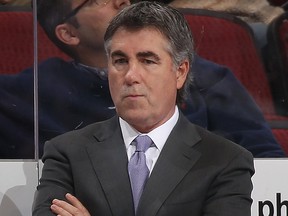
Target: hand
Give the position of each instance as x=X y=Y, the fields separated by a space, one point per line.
x=72 y=208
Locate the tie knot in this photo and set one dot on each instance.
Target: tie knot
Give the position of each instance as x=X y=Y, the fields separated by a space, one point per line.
x=143 y=143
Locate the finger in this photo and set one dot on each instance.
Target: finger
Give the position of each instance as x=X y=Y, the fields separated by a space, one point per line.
x=76 y=203
x=59 y=211
x=63 y=208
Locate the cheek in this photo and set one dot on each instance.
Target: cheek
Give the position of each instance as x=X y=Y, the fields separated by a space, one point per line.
x=168 y=87
x=162 y=90
x=168 y=81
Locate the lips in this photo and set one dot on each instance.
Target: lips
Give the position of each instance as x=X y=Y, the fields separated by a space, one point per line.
x=133 y=96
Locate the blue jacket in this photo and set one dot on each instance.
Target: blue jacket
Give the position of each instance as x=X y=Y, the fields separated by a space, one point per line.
x=70 y=98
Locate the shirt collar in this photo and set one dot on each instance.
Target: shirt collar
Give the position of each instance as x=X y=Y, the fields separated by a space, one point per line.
x=129 y=133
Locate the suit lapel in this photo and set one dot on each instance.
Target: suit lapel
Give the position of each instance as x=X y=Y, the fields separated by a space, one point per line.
x=109 y=158
x=175 y=161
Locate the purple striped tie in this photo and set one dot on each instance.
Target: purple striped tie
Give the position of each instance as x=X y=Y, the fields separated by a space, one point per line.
x=137 y=167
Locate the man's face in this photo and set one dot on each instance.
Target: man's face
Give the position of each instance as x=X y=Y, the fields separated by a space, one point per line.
x=94 y=17
x=142 y=77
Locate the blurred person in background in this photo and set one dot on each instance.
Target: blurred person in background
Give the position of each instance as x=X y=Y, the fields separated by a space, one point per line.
x=73 y=94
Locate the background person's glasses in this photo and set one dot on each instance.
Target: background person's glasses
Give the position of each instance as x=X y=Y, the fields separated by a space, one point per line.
x=76 y=10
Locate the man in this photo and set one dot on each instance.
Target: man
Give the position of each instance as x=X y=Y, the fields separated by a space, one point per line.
x=75 y=94
x=192 y=171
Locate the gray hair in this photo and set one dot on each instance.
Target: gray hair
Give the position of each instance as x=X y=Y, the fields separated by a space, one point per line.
x=169 y=22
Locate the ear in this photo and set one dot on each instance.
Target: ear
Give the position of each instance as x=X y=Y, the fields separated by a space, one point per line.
x=182 y=72
x=67 y=34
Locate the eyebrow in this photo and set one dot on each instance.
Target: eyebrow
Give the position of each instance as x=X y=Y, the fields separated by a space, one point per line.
x=118 y=53
x=146 y=54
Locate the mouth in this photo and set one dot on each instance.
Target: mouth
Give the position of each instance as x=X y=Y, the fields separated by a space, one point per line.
x=133 y=96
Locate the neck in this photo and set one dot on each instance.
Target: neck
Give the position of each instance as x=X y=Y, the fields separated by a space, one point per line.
x=93 y=59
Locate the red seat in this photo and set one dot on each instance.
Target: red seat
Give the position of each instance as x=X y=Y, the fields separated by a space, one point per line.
x=227 y=40
x=276 y=59
x=281 y=136
x=16 y=42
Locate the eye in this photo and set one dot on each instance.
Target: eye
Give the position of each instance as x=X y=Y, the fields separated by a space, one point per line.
x=148 y=61
x=120 y=61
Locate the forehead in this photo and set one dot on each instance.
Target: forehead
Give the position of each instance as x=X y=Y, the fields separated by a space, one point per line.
x=139 y=38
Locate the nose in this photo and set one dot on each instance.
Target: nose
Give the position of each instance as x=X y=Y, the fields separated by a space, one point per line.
x=120 y=4
x=132 y=75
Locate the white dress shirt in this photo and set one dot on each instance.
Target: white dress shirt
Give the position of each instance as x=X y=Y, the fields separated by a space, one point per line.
x=159 y=136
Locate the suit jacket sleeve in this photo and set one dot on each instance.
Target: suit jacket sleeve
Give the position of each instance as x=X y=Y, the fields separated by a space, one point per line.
x=55 y=182
x=90 y=163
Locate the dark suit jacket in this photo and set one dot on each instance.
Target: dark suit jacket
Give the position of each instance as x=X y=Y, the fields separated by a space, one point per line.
x=70 y=98
x=197 y=173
